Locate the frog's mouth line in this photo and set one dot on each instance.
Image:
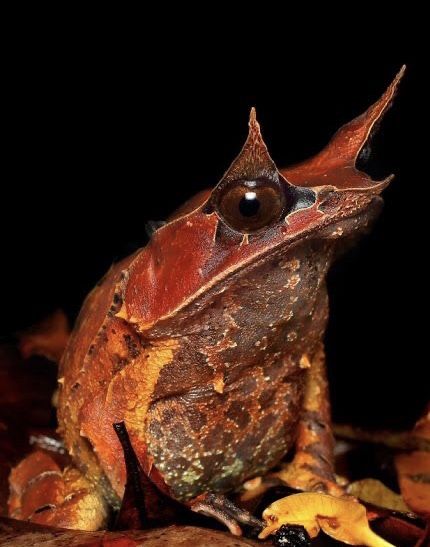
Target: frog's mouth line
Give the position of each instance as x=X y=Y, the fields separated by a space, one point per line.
x=371 y=208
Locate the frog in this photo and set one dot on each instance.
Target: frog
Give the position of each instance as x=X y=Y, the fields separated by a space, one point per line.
x=208 y=343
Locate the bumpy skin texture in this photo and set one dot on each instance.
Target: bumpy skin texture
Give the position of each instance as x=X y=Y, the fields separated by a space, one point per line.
x=201 y=342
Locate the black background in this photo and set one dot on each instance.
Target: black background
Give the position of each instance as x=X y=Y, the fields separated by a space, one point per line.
x=105 y=134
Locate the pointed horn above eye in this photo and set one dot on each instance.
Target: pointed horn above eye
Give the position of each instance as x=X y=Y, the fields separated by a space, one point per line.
x=254 y=160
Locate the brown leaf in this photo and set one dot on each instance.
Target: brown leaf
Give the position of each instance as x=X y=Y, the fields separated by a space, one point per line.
x=375 y=492
x=341 y=519
x=47 y=338
x=119 y=542
x=15 y=533
x=414 y=479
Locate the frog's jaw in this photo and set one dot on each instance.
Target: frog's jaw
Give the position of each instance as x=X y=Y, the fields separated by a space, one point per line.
x=349 y=228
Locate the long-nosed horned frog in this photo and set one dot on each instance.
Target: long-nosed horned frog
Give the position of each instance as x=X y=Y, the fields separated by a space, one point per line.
x=207 y=343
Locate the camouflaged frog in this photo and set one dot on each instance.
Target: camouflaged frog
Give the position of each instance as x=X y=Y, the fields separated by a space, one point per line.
x=208 y=342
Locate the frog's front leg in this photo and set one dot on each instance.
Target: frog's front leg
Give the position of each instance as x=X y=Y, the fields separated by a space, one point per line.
x=312 y=468
x=225 y=511
x=145 y=502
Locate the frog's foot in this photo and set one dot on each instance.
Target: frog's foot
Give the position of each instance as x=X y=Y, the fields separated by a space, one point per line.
x=303 y=474
x=44 y=493
x=225 y=511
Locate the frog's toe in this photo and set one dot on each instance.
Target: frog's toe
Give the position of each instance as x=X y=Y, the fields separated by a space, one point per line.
x=300 y=476
x=225 y=511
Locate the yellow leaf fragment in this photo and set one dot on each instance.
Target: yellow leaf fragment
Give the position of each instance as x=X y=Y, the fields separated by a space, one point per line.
x=253 y=488
x=375 y=492
x=341 y=519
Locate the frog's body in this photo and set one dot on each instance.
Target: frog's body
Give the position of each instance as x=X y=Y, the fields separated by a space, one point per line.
x=235 y=413
x=204 y=341
x=237 y=416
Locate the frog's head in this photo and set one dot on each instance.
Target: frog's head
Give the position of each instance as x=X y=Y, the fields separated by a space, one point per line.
x=254 y=196
x=258 y=211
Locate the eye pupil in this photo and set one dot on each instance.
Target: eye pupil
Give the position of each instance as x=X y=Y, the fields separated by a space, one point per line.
x=249 y=205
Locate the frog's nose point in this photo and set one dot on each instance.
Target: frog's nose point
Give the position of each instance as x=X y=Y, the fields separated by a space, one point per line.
x=340 y=161
x=350 y=140
x=378 y=109
x=370 y=119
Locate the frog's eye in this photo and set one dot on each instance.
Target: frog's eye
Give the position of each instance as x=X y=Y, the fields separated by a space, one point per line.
x=249 y=206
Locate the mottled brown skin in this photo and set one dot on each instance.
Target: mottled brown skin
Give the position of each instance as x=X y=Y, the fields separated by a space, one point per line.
x=207 y=343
